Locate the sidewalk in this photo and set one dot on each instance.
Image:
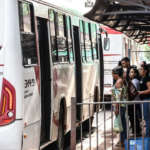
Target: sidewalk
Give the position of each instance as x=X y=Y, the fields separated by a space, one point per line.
x=101 y=144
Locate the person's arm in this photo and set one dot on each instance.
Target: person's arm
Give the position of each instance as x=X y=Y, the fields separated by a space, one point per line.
x=146 y=91
x=119 y=94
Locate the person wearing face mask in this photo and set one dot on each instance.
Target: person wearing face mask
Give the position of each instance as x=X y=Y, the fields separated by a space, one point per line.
x=134 y=77
x=144 y=94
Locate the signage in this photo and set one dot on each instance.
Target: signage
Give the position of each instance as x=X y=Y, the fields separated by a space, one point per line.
x=89 y=3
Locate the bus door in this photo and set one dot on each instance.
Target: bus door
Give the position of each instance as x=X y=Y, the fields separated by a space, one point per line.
x=43 y=40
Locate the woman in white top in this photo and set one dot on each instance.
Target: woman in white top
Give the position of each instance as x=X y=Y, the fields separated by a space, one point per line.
x=134 y=76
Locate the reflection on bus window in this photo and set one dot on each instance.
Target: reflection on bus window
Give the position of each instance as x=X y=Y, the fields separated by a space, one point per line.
x=93 y=32
x=88 y=51
x=62 y=49
x=87 y=31
x=88 y=47
x=70 y=48
x=61 y=40
x=25 y=16
x=60 y=24
x=94 y=40
x=82 y=40
x=28 y=41
x=52 y=33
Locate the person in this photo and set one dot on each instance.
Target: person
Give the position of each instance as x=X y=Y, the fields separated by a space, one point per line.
x=144 y=94
x=143 y=63
x=126 y=65
x=134 y=76
x=119 y=93
x=119 y=63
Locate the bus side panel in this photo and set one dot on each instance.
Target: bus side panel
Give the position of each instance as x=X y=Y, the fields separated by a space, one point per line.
x=63 y=86
x=32 y=140
x=32 y=110
x=89 y=82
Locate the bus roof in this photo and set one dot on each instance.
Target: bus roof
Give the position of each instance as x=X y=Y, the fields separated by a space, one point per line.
x=129 y=17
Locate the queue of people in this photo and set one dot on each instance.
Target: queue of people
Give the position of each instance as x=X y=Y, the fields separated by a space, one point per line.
x=122 y=75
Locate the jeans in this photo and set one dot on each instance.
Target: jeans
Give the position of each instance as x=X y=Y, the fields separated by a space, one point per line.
x=123 y=120
x=147 y=117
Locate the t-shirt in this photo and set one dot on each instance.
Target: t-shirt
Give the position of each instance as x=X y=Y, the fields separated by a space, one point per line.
x=143 y=87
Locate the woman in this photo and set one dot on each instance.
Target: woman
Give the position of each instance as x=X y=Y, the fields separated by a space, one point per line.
x=119 y=93
x=144 y=94
x=134 y=76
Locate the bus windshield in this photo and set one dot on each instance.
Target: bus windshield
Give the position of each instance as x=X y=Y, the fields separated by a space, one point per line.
x=2 y=22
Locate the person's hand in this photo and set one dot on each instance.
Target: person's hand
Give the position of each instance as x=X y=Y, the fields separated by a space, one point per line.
x=116 y=111
x=139 y=93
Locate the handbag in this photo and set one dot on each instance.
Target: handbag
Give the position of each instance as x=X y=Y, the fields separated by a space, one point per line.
x=132 y=91
x=117 y=126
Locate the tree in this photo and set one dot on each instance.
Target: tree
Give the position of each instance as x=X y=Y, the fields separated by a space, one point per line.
x=146 y=47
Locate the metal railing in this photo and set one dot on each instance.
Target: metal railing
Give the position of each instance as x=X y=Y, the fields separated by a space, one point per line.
x=97 y=104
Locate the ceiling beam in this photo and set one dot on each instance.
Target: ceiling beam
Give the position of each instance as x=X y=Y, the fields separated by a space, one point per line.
x=123 y=13
x=132 y=3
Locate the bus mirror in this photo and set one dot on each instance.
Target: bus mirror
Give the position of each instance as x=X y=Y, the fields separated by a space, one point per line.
x=106 y=44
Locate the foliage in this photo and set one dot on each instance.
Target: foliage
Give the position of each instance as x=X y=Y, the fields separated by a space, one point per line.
x=146 y=47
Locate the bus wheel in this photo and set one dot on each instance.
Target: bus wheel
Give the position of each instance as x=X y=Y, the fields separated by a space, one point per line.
x=60 y=139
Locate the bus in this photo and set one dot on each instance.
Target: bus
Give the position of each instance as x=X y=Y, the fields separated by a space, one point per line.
x=47 y=56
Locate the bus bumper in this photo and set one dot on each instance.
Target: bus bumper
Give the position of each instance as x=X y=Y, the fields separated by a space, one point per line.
x=11 y=136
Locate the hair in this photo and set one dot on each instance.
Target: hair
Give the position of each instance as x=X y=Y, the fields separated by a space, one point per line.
x=119 y=63
x=133 y=66
x=144 y=62
x=118 y=70
x=145 y=67
x=125 y=59
x=137 y=76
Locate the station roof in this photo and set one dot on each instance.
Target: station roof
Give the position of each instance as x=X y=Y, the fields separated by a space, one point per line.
x=131 y=17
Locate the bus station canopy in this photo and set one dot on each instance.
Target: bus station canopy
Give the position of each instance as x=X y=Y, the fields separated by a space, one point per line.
x=131 y=17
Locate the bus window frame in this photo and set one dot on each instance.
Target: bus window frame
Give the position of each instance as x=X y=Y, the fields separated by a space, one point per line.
x=88 y=41
x=83 y=41
x=33 y=31
x=71 y=37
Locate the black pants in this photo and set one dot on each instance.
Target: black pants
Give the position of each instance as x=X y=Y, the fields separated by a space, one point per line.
x=131 y=118
x=139 y=112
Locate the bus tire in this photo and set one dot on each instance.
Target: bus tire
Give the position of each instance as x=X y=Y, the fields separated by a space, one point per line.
x=60 y=138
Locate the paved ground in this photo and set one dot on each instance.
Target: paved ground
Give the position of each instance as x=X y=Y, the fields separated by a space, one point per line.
x=101 y=143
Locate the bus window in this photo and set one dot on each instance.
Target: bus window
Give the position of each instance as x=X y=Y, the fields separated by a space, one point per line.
x=88 y=47
x=61 y=39
x=26 y=17
x=82 y=40
x=94 y=40
x=27 y=34
x=70 y=48
x=52 y=33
